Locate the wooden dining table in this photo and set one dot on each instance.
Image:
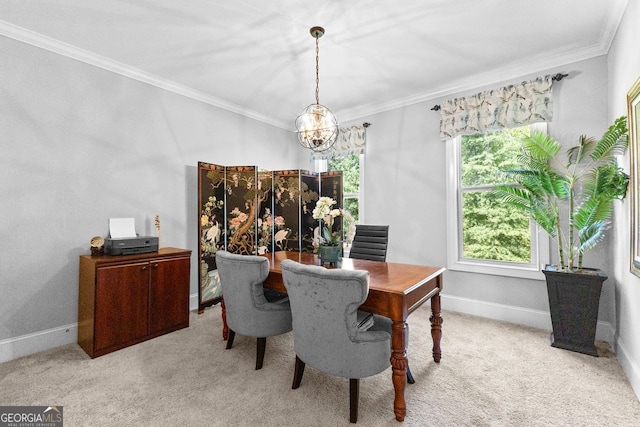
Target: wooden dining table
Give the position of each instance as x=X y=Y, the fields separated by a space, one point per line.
x=395 y=291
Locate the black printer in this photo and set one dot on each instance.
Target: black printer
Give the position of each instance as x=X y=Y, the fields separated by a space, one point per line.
x=130 y=245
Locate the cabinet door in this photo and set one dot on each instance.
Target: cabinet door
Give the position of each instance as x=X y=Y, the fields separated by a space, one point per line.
x=122 y=304
x=168 y=294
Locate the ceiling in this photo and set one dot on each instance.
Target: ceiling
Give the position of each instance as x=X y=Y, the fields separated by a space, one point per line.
x=257 y=58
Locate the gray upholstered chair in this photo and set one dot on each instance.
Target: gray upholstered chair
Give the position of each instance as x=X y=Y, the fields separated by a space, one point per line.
x=247 y=310
x=370 y=242
x=326 y=335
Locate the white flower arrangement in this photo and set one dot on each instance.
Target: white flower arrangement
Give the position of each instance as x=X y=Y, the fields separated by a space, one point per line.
x=324 y=212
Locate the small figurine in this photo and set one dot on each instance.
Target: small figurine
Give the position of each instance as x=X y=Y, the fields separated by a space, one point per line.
x=97 y=245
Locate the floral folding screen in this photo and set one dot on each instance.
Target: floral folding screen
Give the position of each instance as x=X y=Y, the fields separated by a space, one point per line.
x=294 y=193
x=249 y=211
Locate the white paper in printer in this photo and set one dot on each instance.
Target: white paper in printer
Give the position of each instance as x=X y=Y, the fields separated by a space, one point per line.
x=122 y=228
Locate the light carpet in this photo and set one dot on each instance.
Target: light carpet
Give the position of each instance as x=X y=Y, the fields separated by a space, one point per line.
x=491 y=374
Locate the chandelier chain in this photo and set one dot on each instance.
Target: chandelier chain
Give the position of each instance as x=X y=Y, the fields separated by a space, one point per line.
x=317 y=71
x=317 y=126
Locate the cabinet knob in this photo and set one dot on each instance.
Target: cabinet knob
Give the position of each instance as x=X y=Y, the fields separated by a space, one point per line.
x=155 y=265
x=144 y=267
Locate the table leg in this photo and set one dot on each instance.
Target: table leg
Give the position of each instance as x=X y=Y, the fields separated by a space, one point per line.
x=436 y=327
x=225 y=328
x=399 y=364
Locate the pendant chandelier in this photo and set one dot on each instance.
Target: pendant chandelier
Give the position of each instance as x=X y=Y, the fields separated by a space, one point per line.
x=316 y=126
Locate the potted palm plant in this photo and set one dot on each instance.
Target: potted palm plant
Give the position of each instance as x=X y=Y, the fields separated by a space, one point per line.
x=570 y=195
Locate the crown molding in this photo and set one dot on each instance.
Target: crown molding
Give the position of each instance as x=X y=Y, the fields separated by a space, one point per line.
x=52 y=45
x=514 y=71
x=612 y=23
x=509 y=72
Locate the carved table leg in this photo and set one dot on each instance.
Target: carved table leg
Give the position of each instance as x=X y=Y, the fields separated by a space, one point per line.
x=436 y=327
x=399 y=367
x=225 y=328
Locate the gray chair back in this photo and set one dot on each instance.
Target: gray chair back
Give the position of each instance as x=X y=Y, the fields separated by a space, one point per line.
x=247 y=310
x=324 y=305
x=370 y=242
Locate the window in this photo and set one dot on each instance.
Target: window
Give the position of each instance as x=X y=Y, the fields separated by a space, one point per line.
x=485 y=236
x=352 y=178
x=351 y=167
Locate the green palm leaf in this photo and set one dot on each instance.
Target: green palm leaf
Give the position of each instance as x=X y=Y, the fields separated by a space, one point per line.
x=593 y=210
x=546 y=217
x=537 y=208
x=590 y=236
x=607 y=180
x=576 y=154
x=540 y=146
x=555 y=185
x=515 y=196
x=613 y=142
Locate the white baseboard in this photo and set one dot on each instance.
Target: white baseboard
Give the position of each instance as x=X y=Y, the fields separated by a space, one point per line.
x=36 y=342
x=24 y=345
x=521 y=316
x=194 y=302
x=629 y=366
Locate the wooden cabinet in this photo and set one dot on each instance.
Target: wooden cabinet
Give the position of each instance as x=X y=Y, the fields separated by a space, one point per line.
x=124 y=300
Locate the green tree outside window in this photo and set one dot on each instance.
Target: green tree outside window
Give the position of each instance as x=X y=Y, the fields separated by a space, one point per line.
x=491 y=230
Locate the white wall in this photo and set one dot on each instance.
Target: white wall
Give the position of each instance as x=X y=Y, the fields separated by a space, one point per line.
x=624 y=69
x=79 y=145
x=405 y=188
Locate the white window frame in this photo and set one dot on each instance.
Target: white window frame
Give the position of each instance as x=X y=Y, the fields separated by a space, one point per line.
x=455 y=260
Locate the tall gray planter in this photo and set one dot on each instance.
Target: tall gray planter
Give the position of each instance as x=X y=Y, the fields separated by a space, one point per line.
x=574 y=299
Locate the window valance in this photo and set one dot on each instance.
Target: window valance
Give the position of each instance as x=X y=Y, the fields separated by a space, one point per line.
x=507 y=107
x=351 y=140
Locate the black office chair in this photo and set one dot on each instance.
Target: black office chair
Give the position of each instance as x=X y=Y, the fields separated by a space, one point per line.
x=370 y=243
